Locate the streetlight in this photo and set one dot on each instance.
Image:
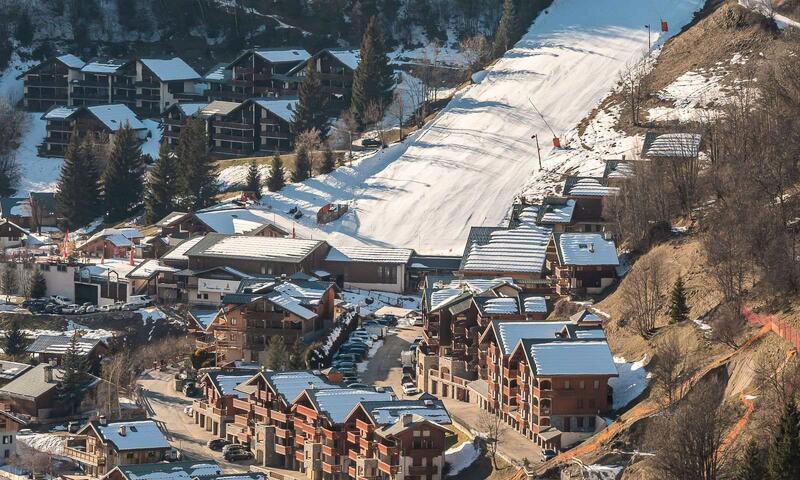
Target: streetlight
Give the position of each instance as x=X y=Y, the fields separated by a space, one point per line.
x=350 y=145
x=648 y=36
x=538 y=151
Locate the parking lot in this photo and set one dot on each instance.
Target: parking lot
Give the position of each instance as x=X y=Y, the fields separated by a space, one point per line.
x=385 y=368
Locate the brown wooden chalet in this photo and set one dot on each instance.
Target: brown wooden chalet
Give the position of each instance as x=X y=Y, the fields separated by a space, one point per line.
x=263 y=72
x=98 y=81
x=214 y=411
x=335 y=68
x=582 y=262
x=47 y=84
x=101 y=121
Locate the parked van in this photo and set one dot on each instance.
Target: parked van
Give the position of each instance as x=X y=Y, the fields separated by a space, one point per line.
x=138 y=301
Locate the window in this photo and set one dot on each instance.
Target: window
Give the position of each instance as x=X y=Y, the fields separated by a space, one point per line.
x=580 y=403
x=596 y=384
x=591 y=422
x=7 y=439
x=566 y=385
x=581 y=384
x=580 y=422
x=387 y=274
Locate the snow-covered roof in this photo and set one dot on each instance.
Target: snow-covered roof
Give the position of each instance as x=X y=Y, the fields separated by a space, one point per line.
x=290 y=384
x=226 y=384
x=135 y=435
x=116 y=116
x=369 y=254
x=173 y=69
x=348 y=57
x=570 y=357
x=103 y=66
x=189 y=109
x=682 y=145
x=119 y=237
x=171 y=471
x=291 y=304
x=235 y=220
x=585 y=249
x=339 y=402
x=589 y=187
x=219 y=107
x=291 y=250
x=388 y=413
x=520 y=249
x=557 y=212
x=60 y=344
x=282 y=107
x=535 y=305
x=71 y=61
x=204 y=316
x=443 y=294
x=305 y=292
x=501 y=305
x=216 y=73
x=179 y=252
x=60 y=113
x=510 y=333
x=148 y=268
x=277 y=55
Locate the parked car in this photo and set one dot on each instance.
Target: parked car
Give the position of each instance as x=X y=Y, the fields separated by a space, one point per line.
x=188 y=411
x=60 y=300
x=372 y=143
x=407 y=379
x=70 y=309
x=217 y=444
x=408 y=370
x=87 y=307
x=53 y=308
x=231 y=447
x=409 y=389
x=417 y=340
x=548 y=454
x=238 y=455
x=357 y=385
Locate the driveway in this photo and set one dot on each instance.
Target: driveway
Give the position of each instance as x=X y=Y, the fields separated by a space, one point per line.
x=385 y=368
x=165 y=405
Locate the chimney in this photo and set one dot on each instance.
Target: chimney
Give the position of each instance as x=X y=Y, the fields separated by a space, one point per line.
x=122 y=430
x=428 y=403
x=407 y=419
x=103 y=420
x=591 y=247
x=48 y=373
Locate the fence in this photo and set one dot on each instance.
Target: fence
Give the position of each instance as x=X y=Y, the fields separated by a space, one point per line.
x=775 y=324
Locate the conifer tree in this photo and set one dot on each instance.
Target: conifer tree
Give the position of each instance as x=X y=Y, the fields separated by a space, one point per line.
x=277 y=355
x=78 y=192
x=123 y=176
x=8 y=279
x=373 y=78
x=328 y=160
x=14 y=341
x=197 y=175
x=752 y=466
x=784 y=457
x=24 y=29
x=309 y=111
x=297 y=357
x=276 y=180
x=302 y=165
x=38 y=284
x=159 y=199
x=507 y=31
x=254 y=179
x=74 y=368
x=678 y=308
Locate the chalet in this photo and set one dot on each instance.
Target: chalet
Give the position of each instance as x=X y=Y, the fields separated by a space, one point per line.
x=111 y=243
x=554 y=212
x=256 y=255
x=53 y=348
x=518 y=253
x=215 y=409
x=671 y=146
x=196 y=469
x=396 y=439
x=100 y=447
x=96 y=83
x=274 y=124
x=262 y=308
x=375 y=268
x=231 y=127
x=589 y=194
x=264 y=421
x=12 y=235
x=163 y=82
x=236 y=220
x=582 y=263
x=174 y=117
x=35 y=393
x=176 y=257
x=10 y=424
x=47 y=84
x=618 y=171
x=264 y=72
x=320 y=431
x=220 y=87
x=335 y=68
x=103 y=121
x=11 y=370
x=422 y=265
x=208 y=286
x=151 y=277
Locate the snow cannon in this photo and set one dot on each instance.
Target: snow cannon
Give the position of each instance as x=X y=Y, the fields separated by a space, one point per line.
x=556 y=142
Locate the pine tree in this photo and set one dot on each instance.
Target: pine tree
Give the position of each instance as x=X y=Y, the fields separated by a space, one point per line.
x=123 y=176
x=74 y=367
x=159 y=198
x=197 y=175
x=678 y=308
x=302 y=165
x=784 y=457
x=8 y=280
x=752 y=466
x=24 y=29
x=309 y=111
x=254 y=179
x=328 y=161
x=38 y=284
x=277 y=356
x=14 y=341
x=373 y=78
x=507 y=32
x=276 y=180
x=297 y=357
x=78 y=191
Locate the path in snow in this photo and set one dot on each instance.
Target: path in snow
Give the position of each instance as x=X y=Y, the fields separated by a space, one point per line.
x=468 y=164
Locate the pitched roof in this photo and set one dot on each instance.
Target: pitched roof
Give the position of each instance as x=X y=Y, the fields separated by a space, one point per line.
x=534 y=304
x=618 y=169
x=520 y=249
x=171 y=471
x=585 y=249
x=389 y=412
x=338 y=403
x=116 y=116
x=570 y=357
x=282 y=107
x=556 y=210
x=443 y=294
x=434 y=262
x=290 y=304
x=179 y=252
x=349 y=58
x=508 y=334
x=588 y=187
x=71 y=61
x=235 y=220
x=149 y=269
x=32 y=383
x=369 y=254
x=45 y=201
x=225 y=382
x=476 y=236
x=170 y=70
x=11 y=370
x=219 y=107
x=104 y=66
x=270 y=249
x=12 y=206
x=289 y=385
x=59 y=344
x=139 y=435
x=172 y=217
x=283 y=55
x=216 y=73
x=119 y=237
x=682 y=145
x=489 y=306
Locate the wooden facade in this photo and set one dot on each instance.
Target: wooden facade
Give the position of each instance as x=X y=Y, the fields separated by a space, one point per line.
x=47 y=84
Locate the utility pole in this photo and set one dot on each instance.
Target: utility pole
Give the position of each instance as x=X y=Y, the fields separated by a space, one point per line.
x=648 y=36
x=538 y=151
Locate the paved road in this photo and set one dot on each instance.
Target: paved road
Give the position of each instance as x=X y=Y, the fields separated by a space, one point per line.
x=167 y=406
x=385 y=369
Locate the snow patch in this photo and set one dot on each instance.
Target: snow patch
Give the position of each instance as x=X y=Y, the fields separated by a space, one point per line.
x=461 y=457
x=632 y=381
x=44 y=442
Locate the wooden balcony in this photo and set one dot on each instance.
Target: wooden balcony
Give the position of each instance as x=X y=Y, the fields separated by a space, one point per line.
x=298 y=455
x=242 y=421
x=353 y=437
x=388 y=469
x=262 y=411
x=305 y=411
x=386 y=449
x=423 y=470
x=283 y=449
x=241 y=405
x=305 y=428
x=328 y=450
x=83 y=457
x=283 y=433
x=328 y=468
x=352 y=454
x=235 y=125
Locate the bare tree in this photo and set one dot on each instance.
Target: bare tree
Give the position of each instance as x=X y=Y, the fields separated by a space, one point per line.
x=493 y=429
x=669 y=369
x=635 y=88
x=373 y=118
x=475 y=51
x=398 y=109
x=311 y=141
x=728 y=325
x=687 y=440
x=642 y=294
x=33 y=461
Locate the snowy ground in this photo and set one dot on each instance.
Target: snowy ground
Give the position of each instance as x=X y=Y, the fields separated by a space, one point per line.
x=44 y=442
x=466 y=167
x=461 y=457
x=379 y=299
x=632 y=381
x=373 y=350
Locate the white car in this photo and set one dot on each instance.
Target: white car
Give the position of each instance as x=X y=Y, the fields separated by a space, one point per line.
x=60 y=300
x=188 y=411
x=409 y=389
x=136 y=302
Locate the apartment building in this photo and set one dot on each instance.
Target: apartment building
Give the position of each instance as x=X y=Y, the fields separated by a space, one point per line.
x=101 y=121
x=214 y=411
x=335 y=69
x=47 y=84
x=582 y=263
x=98 y=82
x=263 y=72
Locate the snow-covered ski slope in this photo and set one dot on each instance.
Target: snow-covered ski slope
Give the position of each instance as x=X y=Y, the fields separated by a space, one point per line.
x=467 y=165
